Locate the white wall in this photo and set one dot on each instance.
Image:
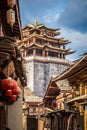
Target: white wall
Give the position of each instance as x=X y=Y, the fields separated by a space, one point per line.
x=14 y=119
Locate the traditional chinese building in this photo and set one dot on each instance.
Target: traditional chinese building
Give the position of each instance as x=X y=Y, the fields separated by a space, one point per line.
x=44 y=54
x=57 y=113
x=31 y=110
x=12 y=79
x=77 y=77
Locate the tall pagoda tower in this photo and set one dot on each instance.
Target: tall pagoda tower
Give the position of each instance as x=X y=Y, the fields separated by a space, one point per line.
x=44 y=55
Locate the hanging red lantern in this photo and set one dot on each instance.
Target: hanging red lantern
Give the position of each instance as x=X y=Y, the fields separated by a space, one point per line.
x=16 y=91
x=8 y=84
x=13 y=98
x=10 y=17
x=8 y=93
x=11 y=3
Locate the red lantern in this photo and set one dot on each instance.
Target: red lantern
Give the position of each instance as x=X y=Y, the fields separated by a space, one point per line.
x=16 y=91
x=13 y=98
x=8 y=84
x=11 y=3
x=8 y=93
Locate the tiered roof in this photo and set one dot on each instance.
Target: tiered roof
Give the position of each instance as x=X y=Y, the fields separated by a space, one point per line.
x=38 y=26
x=44 y=39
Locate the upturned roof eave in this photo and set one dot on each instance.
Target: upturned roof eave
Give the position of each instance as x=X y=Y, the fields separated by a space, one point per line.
x=70 y=70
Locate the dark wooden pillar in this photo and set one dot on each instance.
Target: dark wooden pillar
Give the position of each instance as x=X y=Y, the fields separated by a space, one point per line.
x=2 y=119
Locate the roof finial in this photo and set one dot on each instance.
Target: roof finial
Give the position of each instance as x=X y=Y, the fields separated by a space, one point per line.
x=36 y=22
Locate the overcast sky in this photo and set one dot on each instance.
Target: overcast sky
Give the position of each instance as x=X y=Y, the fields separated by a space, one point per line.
x=69 y=15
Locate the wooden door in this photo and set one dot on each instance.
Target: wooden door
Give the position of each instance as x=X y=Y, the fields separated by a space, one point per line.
x=32 y=124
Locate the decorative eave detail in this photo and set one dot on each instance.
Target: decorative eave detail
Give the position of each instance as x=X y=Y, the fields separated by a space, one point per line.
x=50 y=39
x=56 y=49
x=39 y=26
x=35 y=45
x=63 y=41
x=68 y=52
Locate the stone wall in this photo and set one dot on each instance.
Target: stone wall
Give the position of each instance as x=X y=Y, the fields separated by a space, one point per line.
x=29 y=67
x=39 y=74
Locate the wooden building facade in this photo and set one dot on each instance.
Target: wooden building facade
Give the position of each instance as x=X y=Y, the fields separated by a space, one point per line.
x=77 y=77
x=57 y=114
x=11 y=70
x=65 y=109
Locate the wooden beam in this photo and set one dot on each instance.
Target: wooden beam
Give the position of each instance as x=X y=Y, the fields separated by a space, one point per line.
x=19 y=82
x=79 y=103
x=78 y=68
x=78 y=74
x=82 y=103
x=50 y=97
x=53 y=88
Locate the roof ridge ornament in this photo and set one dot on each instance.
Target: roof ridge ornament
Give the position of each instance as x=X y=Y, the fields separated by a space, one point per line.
x=35 y=22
